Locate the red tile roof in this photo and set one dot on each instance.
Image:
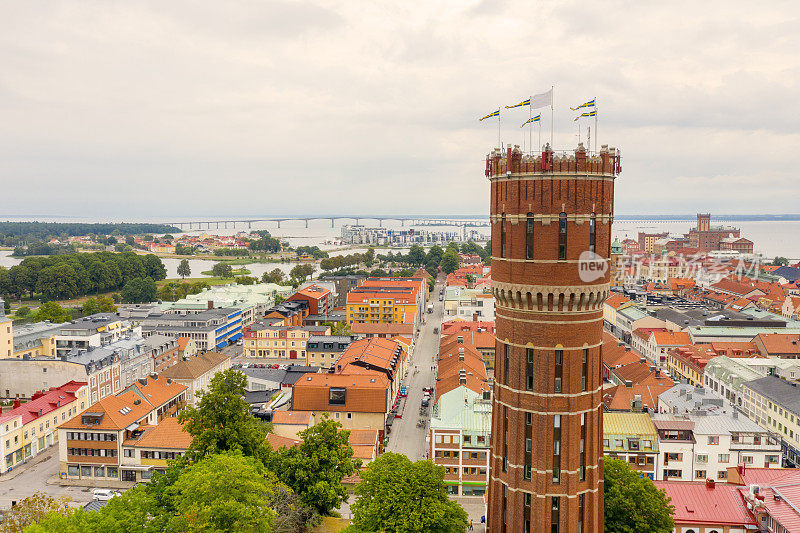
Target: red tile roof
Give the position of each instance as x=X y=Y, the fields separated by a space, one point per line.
x=291 y=417
x=619 y=397
x=45 y=403
x=699 y=504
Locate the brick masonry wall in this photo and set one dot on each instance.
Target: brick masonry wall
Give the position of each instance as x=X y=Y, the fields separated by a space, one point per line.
x=543 y=305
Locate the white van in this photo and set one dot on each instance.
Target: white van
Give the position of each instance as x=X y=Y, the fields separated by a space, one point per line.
x=103 y=495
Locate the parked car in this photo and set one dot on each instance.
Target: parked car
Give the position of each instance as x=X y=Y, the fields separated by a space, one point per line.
x=103 y=495
x=425 y=402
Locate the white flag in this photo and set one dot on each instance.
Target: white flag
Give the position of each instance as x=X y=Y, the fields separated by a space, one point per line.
x=542 y=100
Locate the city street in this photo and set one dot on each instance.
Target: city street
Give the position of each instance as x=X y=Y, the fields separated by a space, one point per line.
x=406 y=437
x=33 y=477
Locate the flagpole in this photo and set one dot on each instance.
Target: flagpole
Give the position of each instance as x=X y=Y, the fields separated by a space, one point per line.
x=530 y=124
x=595 y=125
x=540 y=134
x=552 y=112
x=499 y=142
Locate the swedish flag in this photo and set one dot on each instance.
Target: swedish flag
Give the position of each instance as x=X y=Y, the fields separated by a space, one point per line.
x=490 y=115
x=590 y=103
x=526 y=102
x=589 y=114
x=537 y=118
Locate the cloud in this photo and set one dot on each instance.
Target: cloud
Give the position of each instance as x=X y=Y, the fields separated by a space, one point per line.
x=153 y=108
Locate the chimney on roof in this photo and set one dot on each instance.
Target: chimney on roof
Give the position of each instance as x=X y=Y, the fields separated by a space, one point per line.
x=636 y=403
x=710 y=483
x=17 y=403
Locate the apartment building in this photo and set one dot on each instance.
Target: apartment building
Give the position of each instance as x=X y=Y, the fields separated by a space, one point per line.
x=385 y=357
x=357 y=401
x=210 y=329
x=687 y=363
x=104 y=443
x=30 y=428
x=35 y=340
x=698 y=447
x=252 y=300
x=264 y=339
x=774 y=404
x=460 y=432
x=91 y=332
x=196 y=372
x=633 y=438
x=318 y=298
x=324 y=350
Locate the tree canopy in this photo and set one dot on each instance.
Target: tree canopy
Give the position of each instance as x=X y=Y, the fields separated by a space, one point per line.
x=315 y=469
x=632 y=502
x=404 y=497
x=140 y=290
x=221 y=420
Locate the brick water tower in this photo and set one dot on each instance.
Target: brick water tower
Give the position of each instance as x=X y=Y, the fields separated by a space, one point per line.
x=551 y=241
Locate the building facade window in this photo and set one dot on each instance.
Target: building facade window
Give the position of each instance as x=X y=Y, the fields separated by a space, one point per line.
x=503 y=235
x=562 y=236
x=529 y=237
x=555 y=514
x=592 y=232
x=559 y=370
x=585 y=368
x=557 y=449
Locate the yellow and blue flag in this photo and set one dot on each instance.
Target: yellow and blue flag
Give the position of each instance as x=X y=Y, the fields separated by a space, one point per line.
x=490 y=115
x=589 y=114
x=526 y=102
x=537 y=118
x=590 y=103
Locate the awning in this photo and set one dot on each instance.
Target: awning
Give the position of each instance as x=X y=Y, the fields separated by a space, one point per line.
x=136 y=467
x=133 y=427
x=222 y=344
x=236 y=337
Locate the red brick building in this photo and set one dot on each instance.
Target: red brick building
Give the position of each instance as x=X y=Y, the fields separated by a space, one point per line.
x=706 y=237
x=547 y=211
x=318 y=298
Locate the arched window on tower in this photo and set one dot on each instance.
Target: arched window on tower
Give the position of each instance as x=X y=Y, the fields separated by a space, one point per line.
x=529 y=237
x=503 y=236
x=592 y=232
x=562 y=236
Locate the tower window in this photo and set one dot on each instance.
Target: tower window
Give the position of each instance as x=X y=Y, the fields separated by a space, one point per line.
x=557 y=449
x=529 y=237
x=555 y=515
x=559 y=370
x=503 y=235
x=562 y=236
x=582 y=470
x=585 y=370
x=592 y=232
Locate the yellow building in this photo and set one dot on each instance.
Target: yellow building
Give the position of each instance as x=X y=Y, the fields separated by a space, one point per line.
x=377 y=308
x=6 y=333
x=633 y=438
x=38 y=420
x=11 y=448
x=687 y=364
x=35 y=340
x=280 y=342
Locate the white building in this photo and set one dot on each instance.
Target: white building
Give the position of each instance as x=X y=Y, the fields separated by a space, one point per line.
x=92 y=332
x=700 y=447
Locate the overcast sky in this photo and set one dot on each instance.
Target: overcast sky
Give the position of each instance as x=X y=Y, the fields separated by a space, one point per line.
x=217 y=108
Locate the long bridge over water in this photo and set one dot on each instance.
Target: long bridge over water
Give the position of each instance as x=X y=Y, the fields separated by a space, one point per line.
x=411 y=221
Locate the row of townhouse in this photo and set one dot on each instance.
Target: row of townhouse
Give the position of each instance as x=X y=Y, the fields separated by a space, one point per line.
x=688 y=447
x=266 y=339
x=28 y=429
x=126 y=436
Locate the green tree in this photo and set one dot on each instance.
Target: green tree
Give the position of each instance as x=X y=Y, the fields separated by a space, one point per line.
x=245 y=280
x=129 y=240
x=53 y=312
x=632 y=502
x=339 y=328
x=184 y=269
x=780 y=261
x=221 y=420
x=90 y=307
x=450 y=262
x=106 y=305
x=315 y=469
x=369 y=256
x=32 y=509
x=416 y=255
x=434 y=255
x=279 y=299
x=58 y=282
x=153 y=267
x=23 y=311
x=222 y=270
x=140 y=290
x=400 y=496
x=274 y=276
x=223 y=492
x=301 y=272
